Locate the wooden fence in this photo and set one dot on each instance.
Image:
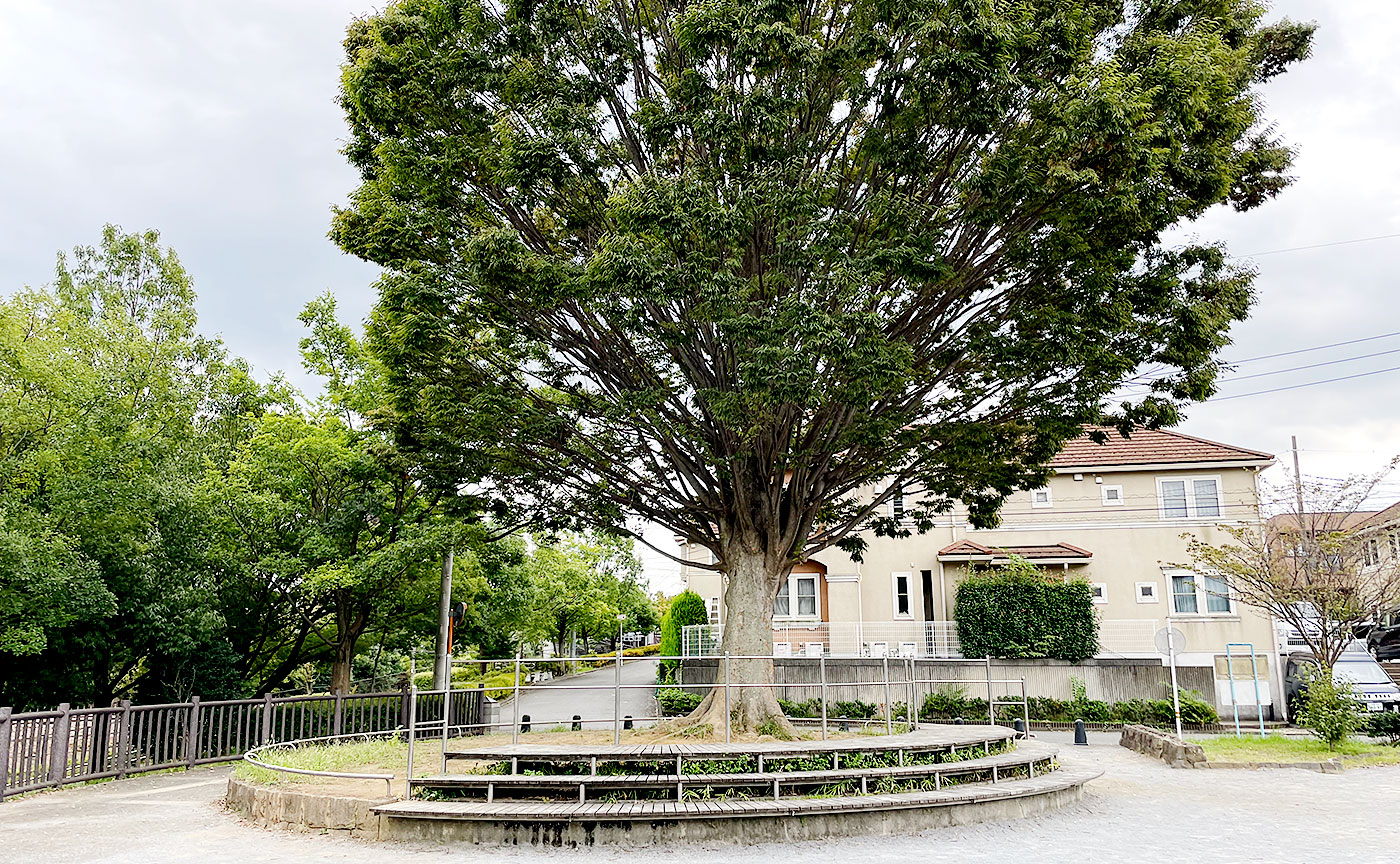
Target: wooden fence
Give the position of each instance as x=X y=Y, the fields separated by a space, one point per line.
x=43 y=749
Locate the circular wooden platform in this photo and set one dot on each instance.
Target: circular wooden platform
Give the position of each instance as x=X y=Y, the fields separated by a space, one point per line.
x=646 y=794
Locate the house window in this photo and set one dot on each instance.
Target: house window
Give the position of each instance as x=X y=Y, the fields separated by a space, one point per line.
x=714 y=610
x=1041 y=497
x=797 y=597
x=1112 y=496
x=901 y=595
x=1146 y=592
x=1100 y=592
x=1394 y=544
x=1189 y=497
x=1370 y=551
x=897 y=506
x=1199 y=594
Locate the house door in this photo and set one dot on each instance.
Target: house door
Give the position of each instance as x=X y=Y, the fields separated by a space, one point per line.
x=929 y=613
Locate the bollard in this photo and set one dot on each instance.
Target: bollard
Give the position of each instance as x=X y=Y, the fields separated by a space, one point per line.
x=524 y=722
x=845 y=727
x=1020 y=727
x=578 y=725
x=626 y=721
x=1081 y=736
x=957 y=721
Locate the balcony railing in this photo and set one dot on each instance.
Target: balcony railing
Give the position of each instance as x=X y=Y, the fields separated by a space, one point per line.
x=1123 y=637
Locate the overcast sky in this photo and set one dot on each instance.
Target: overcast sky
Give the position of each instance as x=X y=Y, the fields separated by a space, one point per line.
x=216 y=124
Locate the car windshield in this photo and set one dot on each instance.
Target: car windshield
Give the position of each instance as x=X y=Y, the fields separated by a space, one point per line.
x=1360 y=672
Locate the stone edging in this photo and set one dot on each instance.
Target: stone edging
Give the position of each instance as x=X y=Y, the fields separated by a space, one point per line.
x=1160 y=745
x=271 y=807
x=1331 y=766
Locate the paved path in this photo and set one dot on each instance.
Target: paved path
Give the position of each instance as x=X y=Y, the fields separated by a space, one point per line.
x=1140 y=811
x=550 y=704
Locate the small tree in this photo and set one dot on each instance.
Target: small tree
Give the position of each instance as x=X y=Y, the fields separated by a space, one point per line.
x=1330 y=708
x=1309 y=566
x=687 y=609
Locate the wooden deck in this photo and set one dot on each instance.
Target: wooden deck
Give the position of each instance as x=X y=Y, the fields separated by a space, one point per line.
x=926 y=738
x=628 y=811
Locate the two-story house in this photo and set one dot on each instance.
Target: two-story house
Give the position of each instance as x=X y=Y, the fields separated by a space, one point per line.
x=1112 y=514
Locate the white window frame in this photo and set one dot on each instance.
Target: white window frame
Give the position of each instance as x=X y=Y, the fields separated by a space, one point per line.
x=713 y=610
x=1049 y=498
x=793 y=615
x=1202 y=596
x=894 y=594
x=1099 y=593
x=1145 y=598
x=1189 y=483
x=1393 y=539
x=1108 y=502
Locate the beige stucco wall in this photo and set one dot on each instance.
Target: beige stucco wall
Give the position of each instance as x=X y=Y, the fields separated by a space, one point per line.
x=1130 y=543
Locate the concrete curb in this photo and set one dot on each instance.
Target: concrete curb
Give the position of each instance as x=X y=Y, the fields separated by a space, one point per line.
x=303 y=811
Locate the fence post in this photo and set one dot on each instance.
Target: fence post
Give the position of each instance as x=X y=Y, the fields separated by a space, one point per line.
x=515 y=703
x=889 y=713
x=726 y=697
x=337 y=724
x=267 y=719
x=58 y=749
x=124 y=740
x=5 y=724
x=912 y=714
x=821 y=664
x=192 y=734
x=1025 y=706
x=991 y=699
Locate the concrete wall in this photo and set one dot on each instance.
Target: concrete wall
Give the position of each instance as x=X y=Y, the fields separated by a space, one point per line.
x=273 y=807
x=1110 y=680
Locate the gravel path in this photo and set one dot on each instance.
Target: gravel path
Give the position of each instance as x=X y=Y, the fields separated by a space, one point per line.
x=1140 y=811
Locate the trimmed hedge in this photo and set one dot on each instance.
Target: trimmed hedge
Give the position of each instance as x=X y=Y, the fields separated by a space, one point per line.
x=1018 y=611
x=952 y=703
x=687 y=609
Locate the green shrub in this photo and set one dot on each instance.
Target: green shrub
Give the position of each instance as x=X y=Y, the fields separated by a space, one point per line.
x=1330 y=710
x=1385 y=725
x=853 y=710
x=675 y=702
x=1018 y=611
x=949 y=702
x=687 y=610
x=807 y=708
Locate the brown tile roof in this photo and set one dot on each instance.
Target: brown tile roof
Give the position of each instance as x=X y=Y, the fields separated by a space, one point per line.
x=1048 y=550
x=1150 y=447
x=1389 y=514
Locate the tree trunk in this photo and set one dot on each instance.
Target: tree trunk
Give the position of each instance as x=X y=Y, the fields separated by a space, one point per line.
x=348 y=629
x=748 y=632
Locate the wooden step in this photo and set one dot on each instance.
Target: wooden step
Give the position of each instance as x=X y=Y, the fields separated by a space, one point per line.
x=627 y=811
x=927 y=739
x=578 y=786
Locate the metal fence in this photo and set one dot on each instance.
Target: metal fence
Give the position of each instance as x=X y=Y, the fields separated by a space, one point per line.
x=44 y=749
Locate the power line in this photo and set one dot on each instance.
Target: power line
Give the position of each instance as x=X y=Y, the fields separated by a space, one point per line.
x=1231 y=378
x=1307 y=384
x=1316 y=348
x=1318 y=246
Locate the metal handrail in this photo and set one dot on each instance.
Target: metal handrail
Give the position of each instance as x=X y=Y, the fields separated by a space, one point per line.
x=252 y=758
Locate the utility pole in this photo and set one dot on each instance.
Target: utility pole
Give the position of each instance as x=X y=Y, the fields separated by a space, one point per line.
x=442 y=668
x=1297 y=481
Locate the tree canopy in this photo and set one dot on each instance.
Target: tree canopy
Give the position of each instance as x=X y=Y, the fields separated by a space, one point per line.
x=748 y=269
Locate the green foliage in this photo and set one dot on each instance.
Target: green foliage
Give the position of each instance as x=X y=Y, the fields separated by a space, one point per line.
x=1330 y=708
x=853 y=710
x=950 y=702
x=1385 y=724
x=723 y=267
x=676 y=702
x=807 y=708
x=687 y=609
x=1019 y=611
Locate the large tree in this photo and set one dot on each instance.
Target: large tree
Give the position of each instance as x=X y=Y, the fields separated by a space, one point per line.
x=747 y=269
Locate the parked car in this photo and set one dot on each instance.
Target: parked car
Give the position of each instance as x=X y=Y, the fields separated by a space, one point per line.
x=1384 y=639
x=1369 y=681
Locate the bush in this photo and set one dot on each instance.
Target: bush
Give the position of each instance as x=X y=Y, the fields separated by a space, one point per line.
x=1385 y=725
x=1018 y=611
x=949 y=703
x=687 y=610
x=675 y=702
x=807 y=708
x=1330 y=710
x=853 y=710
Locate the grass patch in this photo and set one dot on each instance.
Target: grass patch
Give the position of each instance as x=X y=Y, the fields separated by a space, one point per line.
x=1290 y=748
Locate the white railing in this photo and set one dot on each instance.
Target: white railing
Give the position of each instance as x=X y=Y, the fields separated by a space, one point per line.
x=1123 y=637
x=1128 y=637
x=920 y=639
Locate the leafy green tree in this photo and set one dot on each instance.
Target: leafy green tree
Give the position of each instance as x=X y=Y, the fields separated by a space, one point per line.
x=111 y=406
x=686 y=609
x=493 y=579
x=748 y=269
